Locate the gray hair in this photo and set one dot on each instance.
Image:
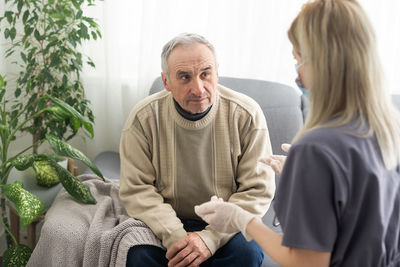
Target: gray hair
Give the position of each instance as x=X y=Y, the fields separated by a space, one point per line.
x=184 y=39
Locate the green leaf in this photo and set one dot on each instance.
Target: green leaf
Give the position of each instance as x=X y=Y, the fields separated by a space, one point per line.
x=89 y=128
x=2 y=83
x=25 y=16
x=98 y=33
x=17 y=92
x=46 y=175
x=63 y=149
x=75 y=124
x=23 y=162
x=76 y=4
x=9 y=16
x=83 y=30
x=37 y=35
x=54 y=60
x=74 y=114
x=64 y=80
x=28 y=30
x=9 y=53
x=91 y=22
x=13 y=33
x=79 y=14
x=58 y=113
x=2 y=93
x=90 y=62
x=19 y=6
x=28 y=206
x=16 y=255
x=48 y=75
x=6 y=33
x=94 y=35
x=74 y=186
x=23 y=56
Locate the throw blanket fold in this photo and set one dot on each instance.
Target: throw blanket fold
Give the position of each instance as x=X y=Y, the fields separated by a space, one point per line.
x=76 y=234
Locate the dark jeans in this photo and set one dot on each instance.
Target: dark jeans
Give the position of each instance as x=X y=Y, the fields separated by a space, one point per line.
x=237 y=252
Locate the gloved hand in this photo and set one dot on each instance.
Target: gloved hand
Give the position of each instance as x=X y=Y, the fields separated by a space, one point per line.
x=225 y=217
x=276 y=162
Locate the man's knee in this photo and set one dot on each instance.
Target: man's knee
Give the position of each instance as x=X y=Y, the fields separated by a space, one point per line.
x=238 y=252
x=146 y=255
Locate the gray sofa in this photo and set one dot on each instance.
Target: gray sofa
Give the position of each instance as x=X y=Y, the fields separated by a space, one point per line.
x=284 y=108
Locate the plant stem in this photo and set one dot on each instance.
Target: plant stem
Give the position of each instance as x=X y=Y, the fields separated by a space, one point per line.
x=4 y=221
x=22 y=124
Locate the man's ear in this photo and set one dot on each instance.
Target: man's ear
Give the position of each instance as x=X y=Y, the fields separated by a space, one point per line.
x=165 y=81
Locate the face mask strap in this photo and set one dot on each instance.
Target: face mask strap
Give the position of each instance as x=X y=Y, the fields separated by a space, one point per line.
x=298 y=80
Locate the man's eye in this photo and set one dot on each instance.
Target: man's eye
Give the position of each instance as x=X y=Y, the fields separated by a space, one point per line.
x=205 y=74
x=185 y=77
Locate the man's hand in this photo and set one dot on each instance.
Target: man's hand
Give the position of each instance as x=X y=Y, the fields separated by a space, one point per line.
x=276 y=162
x=189 y=251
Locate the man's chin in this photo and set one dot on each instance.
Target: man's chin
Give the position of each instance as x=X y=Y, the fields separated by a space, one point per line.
x=199 y=110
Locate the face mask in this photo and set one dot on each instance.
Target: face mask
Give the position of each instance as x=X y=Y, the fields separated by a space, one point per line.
x=299 y=83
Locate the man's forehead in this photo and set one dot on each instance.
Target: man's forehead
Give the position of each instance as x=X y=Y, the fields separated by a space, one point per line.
x=192 y=66
x=193 y=56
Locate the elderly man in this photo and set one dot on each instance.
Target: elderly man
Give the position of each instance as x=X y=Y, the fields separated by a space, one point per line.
x=185 y=144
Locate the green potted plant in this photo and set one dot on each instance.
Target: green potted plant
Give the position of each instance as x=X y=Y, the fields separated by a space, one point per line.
x=46 y=100
x=28 y=205
x=45 y=38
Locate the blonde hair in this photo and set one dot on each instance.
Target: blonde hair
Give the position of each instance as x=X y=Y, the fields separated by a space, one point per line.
x=337 y=46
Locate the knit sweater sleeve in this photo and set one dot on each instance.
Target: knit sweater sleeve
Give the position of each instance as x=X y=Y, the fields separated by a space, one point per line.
x=255 y=181
x=138 y=192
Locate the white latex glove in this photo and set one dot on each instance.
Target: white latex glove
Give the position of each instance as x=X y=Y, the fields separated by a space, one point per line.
x=276 y=162
x=225 y=217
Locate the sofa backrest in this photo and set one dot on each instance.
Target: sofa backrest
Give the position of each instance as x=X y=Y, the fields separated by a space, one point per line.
x=282 y=106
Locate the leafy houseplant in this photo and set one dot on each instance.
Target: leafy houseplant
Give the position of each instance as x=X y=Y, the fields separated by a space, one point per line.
x=47 y=101
x=28 y=205
x=45 y=36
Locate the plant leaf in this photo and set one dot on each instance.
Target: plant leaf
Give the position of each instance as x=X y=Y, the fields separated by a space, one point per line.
x=28 y=30
x=16 y=255
x=28 y=206
x=73 y=185
x=63 y=149
x=13 y=33
x=46 y=175
x=17 y=92
x=87 y=125
x=25 y=16
x=2 y=83
x=2 y=93
x=19 y=6
x=37 y=35
x=23 y=162
x=9 y=16
x=58 y=113
x=6 y=33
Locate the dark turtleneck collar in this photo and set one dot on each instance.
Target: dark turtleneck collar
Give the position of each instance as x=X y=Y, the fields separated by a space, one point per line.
x=190 y=116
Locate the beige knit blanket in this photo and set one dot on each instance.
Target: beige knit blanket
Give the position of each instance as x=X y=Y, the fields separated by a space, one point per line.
x=76 y=234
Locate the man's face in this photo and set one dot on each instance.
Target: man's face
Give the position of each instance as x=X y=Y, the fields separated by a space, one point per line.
x=192 y=78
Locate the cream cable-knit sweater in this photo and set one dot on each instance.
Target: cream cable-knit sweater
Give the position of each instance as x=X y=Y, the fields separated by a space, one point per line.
x=169 y=164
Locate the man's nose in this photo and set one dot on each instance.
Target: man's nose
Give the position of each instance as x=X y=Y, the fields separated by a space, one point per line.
x=197 y=87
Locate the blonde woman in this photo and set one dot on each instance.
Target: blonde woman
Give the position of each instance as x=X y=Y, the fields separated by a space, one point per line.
x=338 y=199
